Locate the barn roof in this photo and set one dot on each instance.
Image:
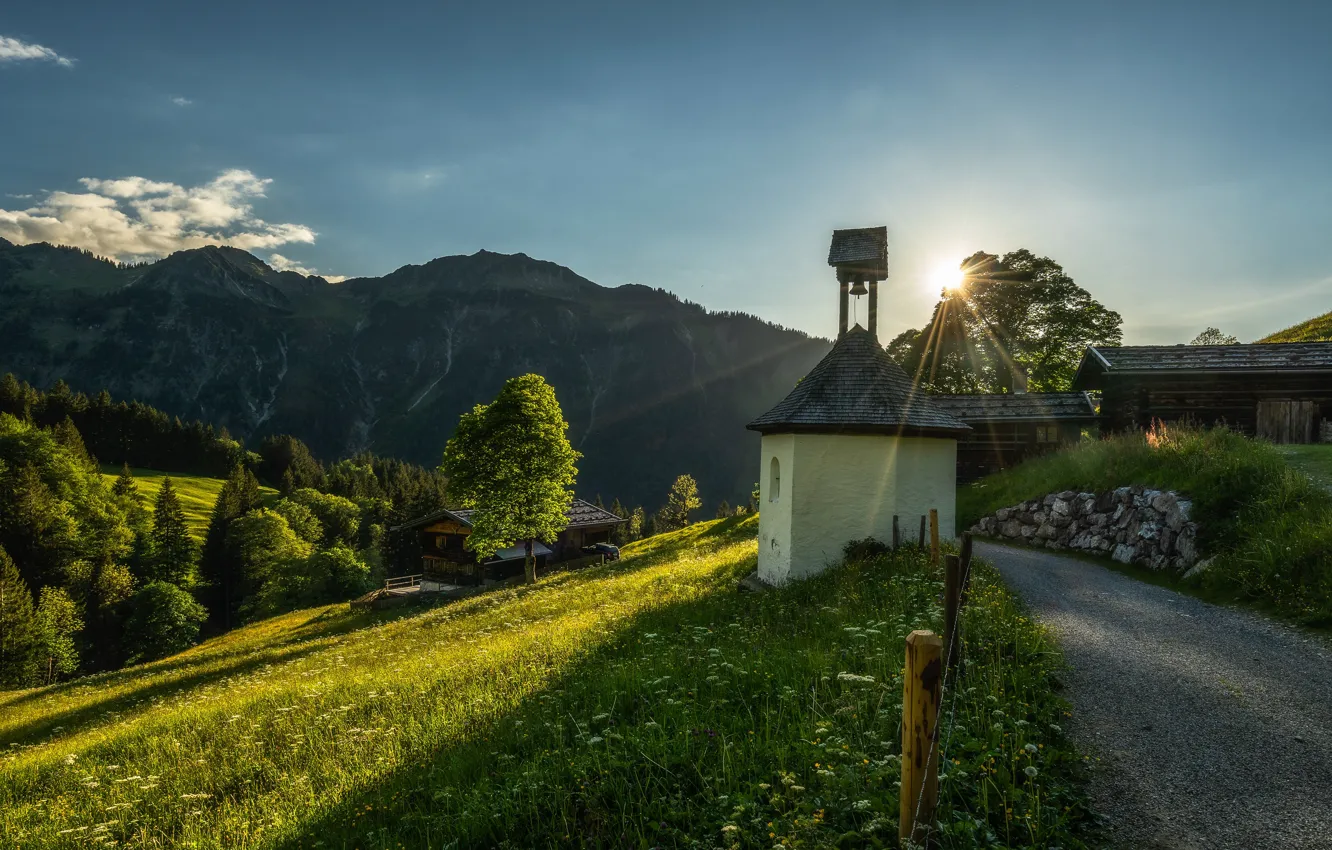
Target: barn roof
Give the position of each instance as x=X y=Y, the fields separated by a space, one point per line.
x=857 y=388
x=1017 y=407
x=581 y=515
x=1155 y=359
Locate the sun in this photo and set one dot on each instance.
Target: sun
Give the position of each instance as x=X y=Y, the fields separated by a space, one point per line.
x=946 y=276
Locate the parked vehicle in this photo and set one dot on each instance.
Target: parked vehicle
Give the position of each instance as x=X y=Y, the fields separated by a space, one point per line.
x=609 y=550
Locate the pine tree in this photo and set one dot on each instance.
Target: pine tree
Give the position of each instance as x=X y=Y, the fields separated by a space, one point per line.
x=68 y=436
x=598 y=503
x=682 y=499
x=18 y=628
x=724 y=510
x=218 y=566
x=173 y=550
x=288 y=485
x=125 y=486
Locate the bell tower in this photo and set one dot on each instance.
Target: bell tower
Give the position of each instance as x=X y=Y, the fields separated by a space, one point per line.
x=860 y=257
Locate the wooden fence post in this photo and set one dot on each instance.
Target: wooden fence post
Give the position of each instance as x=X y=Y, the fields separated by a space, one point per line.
x=966 y=567
x=934 y=537
x=921 y=692
x=897 y=534
x=921 y=544
x=952 y=613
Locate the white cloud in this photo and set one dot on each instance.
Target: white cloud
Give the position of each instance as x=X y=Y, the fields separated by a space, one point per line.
x=13 y=50
x=282 y=264
x=133 y=218
x=182 y=101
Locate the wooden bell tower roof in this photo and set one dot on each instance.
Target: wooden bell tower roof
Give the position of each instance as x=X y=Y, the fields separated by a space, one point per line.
x=860 y=253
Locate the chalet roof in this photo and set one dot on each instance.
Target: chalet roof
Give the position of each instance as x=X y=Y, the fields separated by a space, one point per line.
x=1152 y=359
x=1017 y=407
x=857 y=388
x=581 y=515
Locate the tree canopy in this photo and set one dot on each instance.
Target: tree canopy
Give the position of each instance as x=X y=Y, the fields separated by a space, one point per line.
x=1214 y=336
x=682 y=499
x=511 y=461
x=1016 y=322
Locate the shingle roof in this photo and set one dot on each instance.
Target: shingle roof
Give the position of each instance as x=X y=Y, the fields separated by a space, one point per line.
x=581 y=515
x=857 y=388
x=1011 y=407
x=1201 y=358
x=862 y=246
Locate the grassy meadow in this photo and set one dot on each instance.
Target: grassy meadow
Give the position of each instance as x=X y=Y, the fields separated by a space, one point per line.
x=1261 y=510
x=644 y=703
x=197 y=493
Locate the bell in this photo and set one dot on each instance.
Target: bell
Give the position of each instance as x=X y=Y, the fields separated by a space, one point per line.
x=859 y=288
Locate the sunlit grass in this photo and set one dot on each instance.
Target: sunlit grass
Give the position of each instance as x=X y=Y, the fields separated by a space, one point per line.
x=197 y=493
x=644 y=703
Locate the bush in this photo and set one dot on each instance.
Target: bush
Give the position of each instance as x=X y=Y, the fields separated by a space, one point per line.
x=163 y=620
x=1268 y=525
x=863 y=550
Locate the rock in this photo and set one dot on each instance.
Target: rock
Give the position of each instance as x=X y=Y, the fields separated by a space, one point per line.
x=1149 y=531
x=1158 y=562
x=1040 y=517
x=1062 y=507
x=1050 y=499
x=1098 y=520
x=1124 y=495
x=1061 y=520
x=1045 y=532
x=1002 y=514
x=1067 y=495
x=1123 y=554
x=1166 y=543
x=1012 y=528
x=1162 y=501
x=1028 y=531
x=1198 y=569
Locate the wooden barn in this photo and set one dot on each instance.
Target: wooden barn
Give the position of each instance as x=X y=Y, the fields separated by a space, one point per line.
x=445 y=558
x=1280 y=392
x=1007 y=428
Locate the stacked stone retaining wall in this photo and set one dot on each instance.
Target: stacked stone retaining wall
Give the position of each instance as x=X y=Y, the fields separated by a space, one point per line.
x=1133 y=525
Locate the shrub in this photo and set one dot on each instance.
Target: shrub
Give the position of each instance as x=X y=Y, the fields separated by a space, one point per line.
x=163 y=620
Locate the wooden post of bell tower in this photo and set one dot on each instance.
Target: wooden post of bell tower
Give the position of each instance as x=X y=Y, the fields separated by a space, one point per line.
x=860 y=257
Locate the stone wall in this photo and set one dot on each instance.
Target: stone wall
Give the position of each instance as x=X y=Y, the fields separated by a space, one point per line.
x=1133 y=525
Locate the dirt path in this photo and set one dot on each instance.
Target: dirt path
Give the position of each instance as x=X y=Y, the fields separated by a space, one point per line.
x=1213 y=725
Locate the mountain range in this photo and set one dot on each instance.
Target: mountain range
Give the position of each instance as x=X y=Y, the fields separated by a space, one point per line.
x=652 y=386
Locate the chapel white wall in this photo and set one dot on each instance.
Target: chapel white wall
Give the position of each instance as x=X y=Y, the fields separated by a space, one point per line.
x=842 y=487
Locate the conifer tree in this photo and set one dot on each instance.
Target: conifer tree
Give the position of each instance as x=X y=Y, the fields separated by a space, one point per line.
x=68 y=436
x=219 y=568
x=634 y=528
x=682 y=499
x=598 y=503
x=173 y=550
x=724 y=510
x=18 y=628
x=125 y=486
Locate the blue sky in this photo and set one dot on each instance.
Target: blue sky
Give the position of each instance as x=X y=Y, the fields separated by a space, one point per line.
x=1175 y=161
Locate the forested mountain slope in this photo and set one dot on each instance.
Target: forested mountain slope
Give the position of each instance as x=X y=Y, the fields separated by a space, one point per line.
x=652 y=386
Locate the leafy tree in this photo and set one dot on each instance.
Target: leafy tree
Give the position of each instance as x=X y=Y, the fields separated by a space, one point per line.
x=335 y=574
x=724 y=510
x=301 y=519
x=173 y=550
x=682 y=499
x=1017 y=321
x=754 y=499
x=58 y=623
x=267 y=550
x=620 y=535
x=1212 y=336
x=339 y=518
x=18 y=628
x=163 y=620
x=634 y=528
x=511 y=461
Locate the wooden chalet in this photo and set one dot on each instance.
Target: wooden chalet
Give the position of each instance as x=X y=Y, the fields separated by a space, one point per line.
x=1281 y=391
x=1008 y=428
x=445 y=558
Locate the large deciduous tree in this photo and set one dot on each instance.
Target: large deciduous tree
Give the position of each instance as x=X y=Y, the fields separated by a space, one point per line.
x=58 y=623
x=1015 y=322
x=1214 y=336
x=511 y=461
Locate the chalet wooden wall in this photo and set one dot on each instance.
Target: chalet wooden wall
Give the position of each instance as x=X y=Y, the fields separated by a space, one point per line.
x=1134 y=401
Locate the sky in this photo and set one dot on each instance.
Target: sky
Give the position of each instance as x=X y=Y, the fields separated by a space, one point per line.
x=1175 y=161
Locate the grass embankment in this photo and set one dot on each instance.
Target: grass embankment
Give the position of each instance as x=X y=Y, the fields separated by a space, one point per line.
x=1311 y=330
x=644 y=703
x=197 y=493
x=1268 y=524
x=1314 y=460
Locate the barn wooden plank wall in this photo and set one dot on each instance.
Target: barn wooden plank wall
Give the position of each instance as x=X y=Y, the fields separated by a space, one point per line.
x=1133 y=401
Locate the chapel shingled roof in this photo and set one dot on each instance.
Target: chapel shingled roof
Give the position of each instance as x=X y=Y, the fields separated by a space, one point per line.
x=1016 y=407
x=1283 y=356
x=857 y=388
x=861 y=246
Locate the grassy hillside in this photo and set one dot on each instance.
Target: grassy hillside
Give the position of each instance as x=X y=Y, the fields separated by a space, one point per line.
x=197 y=493
x=1313 y=330
x=644 y=703
x=1268 y=523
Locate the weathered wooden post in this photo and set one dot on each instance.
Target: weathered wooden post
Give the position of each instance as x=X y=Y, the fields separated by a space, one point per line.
x=922 y=690
x=952 y=614
x=934 y=537
x=897 y=534
x=966 y=567
x=921 y=544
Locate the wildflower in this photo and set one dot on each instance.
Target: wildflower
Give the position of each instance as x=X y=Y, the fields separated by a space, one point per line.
x=595 y=739
x=854 y=678
x=1030 y=771
x=1031 y=748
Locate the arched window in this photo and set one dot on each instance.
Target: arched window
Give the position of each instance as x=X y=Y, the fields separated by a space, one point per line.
x=774 y=480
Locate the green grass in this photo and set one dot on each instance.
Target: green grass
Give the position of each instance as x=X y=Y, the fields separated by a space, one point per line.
x=197 y=493
x=1312 y=330
x=1268 y=524
x=641 y=704
x=1314 y=460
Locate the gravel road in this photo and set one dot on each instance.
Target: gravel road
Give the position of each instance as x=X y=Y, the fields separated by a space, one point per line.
x=1213 y=724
